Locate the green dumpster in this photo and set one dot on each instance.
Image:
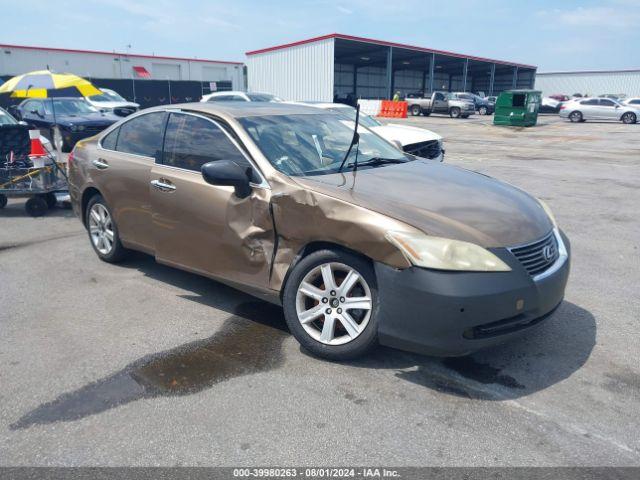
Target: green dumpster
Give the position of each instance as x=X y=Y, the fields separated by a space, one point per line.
x=518 y=108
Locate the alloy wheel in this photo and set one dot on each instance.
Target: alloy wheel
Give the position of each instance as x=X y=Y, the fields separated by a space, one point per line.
x=334 y=303
x=101 y=228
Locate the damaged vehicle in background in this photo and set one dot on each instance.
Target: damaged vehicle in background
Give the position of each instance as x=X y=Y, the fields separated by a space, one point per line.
x=64 y=121
x=360 y=243
x=414 y=140
x=110 y=101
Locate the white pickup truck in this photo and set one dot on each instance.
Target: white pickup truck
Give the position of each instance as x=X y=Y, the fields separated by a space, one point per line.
x=440 y=102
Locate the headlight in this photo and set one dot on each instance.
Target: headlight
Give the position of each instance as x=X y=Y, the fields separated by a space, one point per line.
x=549 y=213
x=445 y=254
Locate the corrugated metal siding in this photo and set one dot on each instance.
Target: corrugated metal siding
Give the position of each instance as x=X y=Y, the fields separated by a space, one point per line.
x=303 y=72
x=592 y=83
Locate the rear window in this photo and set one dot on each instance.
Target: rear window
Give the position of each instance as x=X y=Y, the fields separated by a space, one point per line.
x=142 y=135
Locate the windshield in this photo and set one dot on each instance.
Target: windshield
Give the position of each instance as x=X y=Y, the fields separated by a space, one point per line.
x=6 y=119
x=350 y=113
x=69 y=107
x=304 y=144
x=263 y=97
x=107 y=96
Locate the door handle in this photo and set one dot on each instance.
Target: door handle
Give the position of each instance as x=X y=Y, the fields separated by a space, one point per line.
x=101 y=163
x=163 y=185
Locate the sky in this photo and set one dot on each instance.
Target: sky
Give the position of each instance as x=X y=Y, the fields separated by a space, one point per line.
x=555 y=35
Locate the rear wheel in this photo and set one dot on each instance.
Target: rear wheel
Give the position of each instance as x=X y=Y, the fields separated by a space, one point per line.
x=416 y=110
x=103 y=232
x=454 y=112
x=629 y=117
x=36 y=206
x=482 y=110
x=330 y=304
x=575 y=117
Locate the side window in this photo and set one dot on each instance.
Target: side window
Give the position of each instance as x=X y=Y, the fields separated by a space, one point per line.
x=593 y=101
x=439 y=96
x=191 y=141
x=109 y=142
x=606 y=103
x=634 y=102
x=142 y=135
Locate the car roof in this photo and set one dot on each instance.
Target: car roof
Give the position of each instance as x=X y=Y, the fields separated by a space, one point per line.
x=243 y=109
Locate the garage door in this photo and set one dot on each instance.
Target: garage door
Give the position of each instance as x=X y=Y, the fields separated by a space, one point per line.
x=164 y=71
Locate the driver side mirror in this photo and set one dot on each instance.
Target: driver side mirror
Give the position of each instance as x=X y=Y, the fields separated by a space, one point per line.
x=227 y=172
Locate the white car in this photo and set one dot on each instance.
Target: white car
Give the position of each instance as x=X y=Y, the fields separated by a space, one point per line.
x=414 y=140
x=113 y=102
x=586 y=108
x=632 y=102
x=235 y=96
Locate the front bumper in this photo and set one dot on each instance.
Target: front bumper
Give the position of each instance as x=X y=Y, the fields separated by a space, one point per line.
x=455 y=313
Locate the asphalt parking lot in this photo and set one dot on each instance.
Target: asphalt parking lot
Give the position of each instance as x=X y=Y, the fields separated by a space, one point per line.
x=140 y=364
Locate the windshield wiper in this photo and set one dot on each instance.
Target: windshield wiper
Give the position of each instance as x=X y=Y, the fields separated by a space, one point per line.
x=375 y=161
x=355 y=140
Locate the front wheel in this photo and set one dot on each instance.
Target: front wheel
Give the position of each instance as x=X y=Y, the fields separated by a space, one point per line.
x=454 y=112
x=330 y=304
x=575 y=117
x=482 y=110
x=629 y=117
x=103 y=231
x=416 y=110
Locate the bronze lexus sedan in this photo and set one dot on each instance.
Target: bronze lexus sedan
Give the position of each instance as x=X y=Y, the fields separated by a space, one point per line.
x=360 y=242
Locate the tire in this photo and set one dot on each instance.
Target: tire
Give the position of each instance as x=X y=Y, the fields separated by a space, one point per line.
x=353 y=332
x=99 y=222
x=36 y=206
x=3 y=201
x=51 y=199
x=483 y=111
x=629 y=118
x=576 y=117
x=454 y=112
x=416 y=110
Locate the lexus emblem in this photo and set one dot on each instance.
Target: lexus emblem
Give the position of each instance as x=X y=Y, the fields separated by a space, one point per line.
x=547 y=253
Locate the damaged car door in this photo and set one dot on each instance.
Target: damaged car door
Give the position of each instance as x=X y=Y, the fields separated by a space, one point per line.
x=205 y=228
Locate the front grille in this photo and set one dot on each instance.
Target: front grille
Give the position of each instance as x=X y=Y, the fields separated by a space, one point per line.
x=538 y=256
x=429 y=149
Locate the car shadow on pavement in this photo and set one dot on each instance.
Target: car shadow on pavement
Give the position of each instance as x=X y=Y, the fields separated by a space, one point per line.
x=249 y=341
x=547 y=355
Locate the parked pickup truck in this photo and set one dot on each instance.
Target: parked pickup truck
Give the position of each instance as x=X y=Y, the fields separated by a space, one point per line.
x=440 y=102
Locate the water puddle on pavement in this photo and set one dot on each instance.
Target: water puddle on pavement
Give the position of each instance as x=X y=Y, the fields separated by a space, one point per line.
x=248 y=342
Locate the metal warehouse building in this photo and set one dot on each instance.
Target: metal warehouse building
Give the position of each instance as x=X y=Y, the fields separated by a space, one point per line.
x=146 y=79
x=18 y=59
x=339 y=67
x=590 y=82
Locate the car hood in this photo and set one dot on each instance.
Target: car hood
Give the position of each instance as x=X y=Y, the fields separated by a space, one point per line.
x=441 y=200
x=88 y=119
x=405 y=134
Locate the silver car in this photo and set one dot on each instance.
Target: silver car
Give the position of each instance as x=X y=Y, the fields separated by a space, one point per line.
x=581 y=109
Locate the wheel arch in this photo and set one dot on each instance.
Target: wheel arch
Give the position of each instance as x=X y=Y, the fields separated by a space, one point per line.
x=316 y=246
x=87 y=195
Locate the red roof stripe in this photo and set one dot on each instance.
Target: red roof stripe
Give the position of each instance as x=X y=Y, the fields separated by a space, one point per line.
x=120 y=54
x=388 y=44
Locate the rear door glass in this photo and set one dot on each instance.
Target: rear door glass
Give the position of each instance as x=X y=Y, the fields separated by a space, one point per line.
x=142 y=135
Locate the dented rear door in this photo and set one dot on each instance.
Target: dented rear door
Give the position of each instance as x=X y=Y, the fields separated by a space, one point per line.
x=202 y=227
